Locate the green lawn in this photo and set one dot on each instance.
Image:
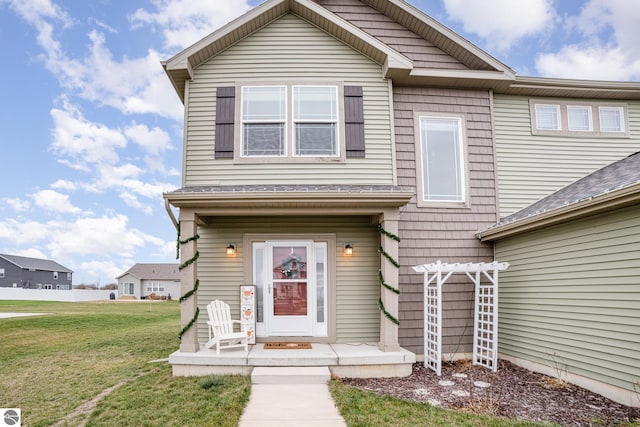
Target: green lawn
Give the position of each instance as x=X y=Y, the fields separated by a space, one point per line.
x=95 y=364
x=54 y=366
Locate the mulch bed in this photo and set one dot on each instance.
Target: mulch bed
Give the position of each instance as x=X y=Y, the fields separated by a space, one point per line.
x=512 y=392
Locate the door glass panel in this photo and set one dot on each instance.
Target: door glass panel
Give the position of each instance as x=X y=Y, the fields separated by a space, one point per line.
x=290 y=299
x=320 y=281
x=290 y=281
x=258 y=279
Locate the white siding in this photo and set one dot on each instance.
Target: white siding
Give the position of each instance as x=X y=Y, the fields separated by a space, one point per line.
x=572 y=295
x=533 y=166
x=288 y=49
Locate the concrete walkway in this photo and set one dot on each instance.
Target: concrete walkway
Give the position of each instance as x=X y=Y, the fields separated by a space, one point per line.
x=286 y=397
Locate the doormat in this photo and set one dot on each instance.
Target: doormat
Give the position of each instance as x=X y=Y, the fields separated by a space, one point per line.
x=287 y=346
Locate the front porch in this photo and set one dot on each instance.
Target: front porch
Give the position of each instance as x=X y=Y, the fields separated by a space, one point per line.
x=357 y=360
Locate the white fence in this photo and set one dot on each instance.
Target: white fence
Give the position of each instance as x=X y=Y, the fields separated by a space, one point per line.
x=74 y=295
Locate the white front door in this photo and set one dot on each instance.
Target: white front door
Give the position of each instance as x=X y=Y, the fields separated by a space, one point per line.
x=290 y=297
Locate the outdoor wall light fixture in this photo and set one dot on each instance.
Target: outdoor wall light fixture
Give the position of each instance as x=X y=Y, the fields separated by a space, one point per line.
x=231 y=249
x=348 y=249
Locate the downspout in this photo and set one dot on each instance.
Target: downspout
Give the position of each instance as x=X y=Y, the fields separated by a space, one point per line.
x=167 y=206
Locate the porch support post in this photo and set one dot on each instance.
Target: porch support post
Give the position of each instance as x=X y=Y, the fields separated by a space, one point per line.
x=388 y=329
x=188 y=228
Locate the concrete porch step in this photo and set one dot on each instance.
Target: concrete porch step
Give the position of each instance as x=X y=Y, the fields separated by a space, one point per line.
x=290 y=375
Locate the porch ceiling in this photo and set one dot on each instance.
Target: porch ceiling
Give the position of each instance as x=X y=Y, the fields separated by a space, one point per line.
x=290 y=199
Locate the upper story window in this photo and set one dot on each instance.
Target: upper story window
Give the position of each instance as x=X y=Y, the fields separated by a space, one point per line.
x=611 y=119
x=289 y=121
x=442 y=174
x=1 y=272
x=571 y=118
x=68 y=276
x=547 y=117
x=579 y=118
x=55 y=275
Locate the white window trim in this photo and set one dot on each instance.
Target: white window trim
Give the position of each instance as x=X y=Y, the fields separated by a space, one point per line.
x=289 y=150
x=2 y=273
x=564 y=105
x=464 y=170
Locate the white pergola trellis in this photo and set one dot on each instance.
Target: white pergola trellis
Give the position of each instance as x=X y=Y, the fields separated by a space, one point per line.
x=485 y=325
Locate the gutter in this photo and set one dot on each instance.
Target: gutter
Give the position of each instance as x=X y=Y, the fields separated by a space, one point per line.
x=606 y=202
x=167 y=206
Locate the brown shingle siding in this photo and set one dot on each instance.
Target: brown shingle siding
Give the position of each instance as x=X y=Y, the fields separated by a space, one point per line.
x=423 y=53
x=447 y=234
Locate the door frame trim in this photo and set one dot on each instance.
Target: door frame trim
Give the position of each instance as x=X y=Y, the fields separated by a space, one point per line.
x=330 y=239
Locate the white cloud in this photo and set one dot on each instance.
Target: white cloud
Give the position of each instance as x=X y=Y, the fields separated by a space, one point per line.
x=36 y=10
x=17 y=204
x=22 y=233
x=63 y=184
x=610 y=51
x=104 y=235
x=31 y=253
x=52 y=201
x=102 y=272
x=589 y=62
x=154 y=141
x=184 y=22
x=82 y=144
x=131 y=85
x=502 y=22
x=133 y=201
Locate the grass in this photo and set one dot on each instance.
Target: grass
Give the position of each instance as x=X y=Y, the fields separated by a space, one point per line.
x=91 y=364
x=366 y=409
x=54 y=366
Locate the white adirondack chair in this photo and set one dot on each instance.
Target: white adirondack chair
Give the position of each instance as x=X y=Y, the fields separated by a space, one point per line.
x=221 y=330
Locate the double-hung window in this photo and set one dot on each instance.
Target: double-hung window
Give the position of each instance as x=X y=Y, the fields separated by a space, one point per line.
x=290 y=121
x=442 y=164
x=315 y=120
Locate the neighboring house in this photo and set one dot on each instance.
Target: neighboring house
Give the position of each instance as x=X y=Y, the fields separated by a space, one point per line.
x=33 y=273
x=316 y=126
x=570 y=301
x=142 y=280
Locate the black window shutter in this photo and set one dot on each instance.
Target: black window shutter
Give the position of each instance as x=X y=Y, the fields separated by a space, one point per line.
x=225 y=113
x=354 y=121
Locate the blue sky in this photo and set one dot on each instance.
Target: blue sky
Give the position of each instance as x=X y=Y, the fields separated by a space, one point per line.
x=92 y=129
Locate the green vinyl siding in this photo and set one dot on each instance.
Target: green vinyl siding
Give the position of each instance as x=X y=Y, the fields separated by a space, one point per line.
x=533 y=166
x=288 y=50
x=356 y=277
x=572 y=296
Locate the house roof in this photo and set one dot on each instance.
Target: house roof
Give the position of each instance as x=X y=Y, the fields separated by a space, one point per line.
x=613 y=186
x=484 y=71
x=28 y=263
x=153 y=272
x=482 y=66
